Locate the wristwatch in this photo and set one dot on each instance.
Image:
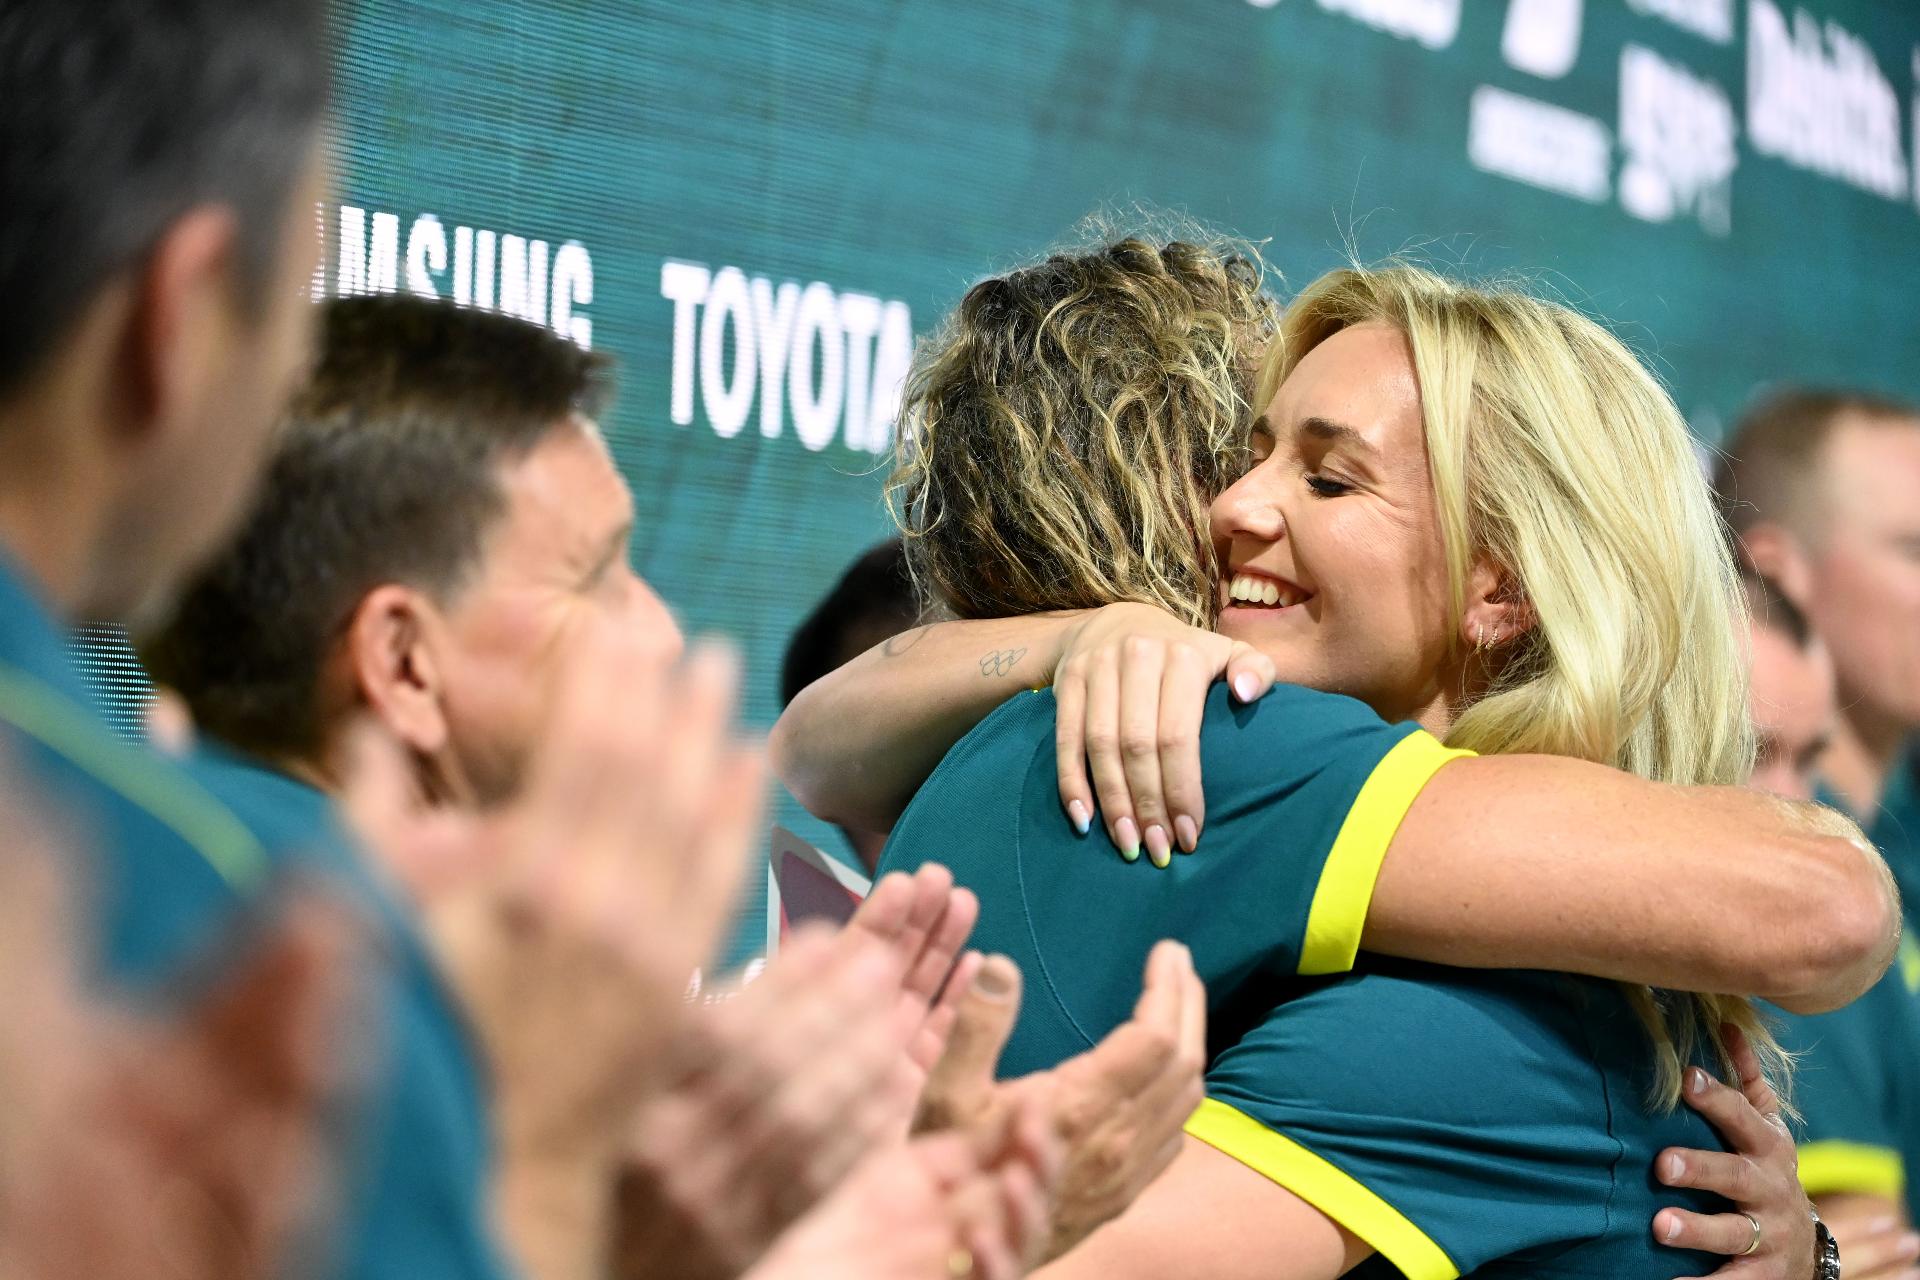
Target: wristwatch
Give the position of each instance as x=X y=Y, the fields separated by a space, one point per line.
x=1826 y=1254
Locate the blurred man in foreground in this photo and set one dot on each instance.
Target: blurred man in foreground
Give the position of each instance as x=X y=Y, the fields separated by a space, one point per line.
x=442 y=548
x=1857 y=1080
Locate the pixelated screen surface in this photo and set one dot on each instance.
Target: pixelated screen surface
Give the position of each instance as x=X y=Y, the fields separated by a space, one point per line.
x=756 y=207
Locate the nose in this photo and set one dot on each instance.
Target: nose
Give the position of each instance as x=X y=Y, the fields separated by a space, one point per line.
x=654 y=621
x=1249 y=509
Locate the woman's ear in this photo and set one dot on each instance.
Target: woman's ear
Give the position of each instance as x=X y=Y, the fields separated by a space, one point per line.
x=1497 y=611
x=394 y=669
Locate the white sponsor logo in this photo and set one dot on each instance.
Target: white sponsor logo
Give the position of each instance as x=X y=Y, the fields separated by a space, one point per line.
x=1542 y=37
x=1712 y=19
x=1433 y=23
x=1817 y=100
x=1539 y=144
x=832 y=359
x=1678 y=134
x=493 y=270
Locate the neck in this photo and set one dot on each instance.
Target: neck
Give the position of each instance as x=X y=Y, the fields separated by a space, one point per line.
x=1862 y=754
x=52 y=539
x=56 y=494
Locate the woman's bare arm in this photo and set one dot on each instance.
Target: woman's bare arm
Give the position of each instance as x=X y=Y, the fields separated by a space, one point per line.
x=1550 y=863
x=1210 y=1215
x=855 y=745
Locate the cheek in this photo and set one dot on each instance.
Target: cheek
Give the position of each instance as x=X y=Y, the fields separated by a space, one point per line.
x=1385 y=582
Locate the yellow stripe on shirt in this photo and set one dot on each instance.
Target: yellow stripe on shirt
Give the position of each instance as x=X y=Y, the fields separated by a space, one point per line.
x=1324 y=1186
x=1839 y=1168
x=1340 y=902
x=174 y=801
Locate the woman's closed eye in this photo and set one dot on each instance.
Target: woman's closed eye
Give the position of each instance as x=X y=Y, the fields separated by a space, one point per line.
x=1326 y=486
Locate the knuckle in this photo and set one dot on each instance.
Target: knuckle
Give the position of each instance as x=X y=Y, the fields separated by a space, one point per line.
x=1102 y=740
x=1142 y=649
x=1158 y=1046
x=1136 y=745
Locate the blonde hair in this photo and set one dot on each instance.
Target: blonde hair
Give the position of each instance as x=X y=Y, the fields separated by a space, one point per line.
x=1556 y=455
x=1067 y=427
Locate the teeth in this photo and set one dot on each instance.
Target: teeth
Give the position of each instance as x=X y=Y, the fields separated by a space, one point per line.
x=1249 y=589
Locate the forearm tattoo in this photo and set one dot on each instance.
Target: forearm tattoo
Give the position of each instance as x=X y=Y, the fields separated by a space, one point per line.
x=1001 y=662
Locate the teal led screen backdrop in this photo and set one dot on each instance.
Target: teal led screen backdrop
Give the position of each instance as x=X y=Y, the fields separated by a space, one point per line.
x=756 y=206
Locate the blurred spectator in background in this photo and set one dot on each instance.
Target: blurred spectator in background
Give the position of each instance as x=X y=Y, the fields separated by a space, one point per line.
x=872 y=603
x=1791 y=694
x=1814 y=481
x=1823 y=488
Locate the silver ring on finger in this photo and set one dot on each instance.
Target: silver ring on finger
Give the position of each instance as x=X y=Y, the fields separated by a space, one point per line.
x=1755 y=1242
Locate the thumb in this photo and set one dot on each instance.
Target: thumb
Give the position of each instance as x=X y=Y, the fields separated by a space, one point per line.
x=961 y=1080
x=1249 y=673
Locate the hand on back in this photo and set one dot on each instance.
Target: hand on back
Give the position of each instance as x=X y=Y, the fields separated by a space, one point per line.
x=1131 y=685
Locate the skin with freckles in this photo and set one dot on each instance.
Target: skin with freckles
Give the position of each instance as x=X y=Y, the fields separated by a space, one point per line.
x=1338 y=503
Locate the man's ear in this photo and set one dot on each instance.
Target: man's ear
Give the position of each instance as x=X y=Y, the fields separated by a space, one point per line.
x=393 y=667
x=180 y=323
x=1780 y=557
x=1497 y=611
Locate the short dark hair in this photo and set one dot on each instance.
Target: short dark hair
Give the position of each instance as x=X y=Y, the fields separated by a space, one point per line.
x=120 y=115
x=1769 y=464
x=873 y=601
x=387 y=471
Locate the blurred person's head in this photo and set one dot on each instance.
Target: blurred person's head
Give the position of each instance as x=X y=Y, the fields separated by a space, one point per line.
x=1824 y=490
x=162 y=163
x=1790 y=691
x=440 y=528
x=871 y=603
x=1066 y=427
x=1466 y=506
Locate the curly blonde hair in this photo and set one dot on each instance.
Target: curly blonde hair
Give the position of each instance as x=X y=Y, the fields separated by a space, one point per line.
x=1066 y=428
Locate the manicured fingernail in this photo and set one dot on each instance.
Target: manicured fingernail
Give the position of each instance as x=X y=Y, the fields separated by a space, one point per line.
x=1082 y=820
x=1159 y=848
x=1189 y=834
x=1127 y=836
x=1672 y=1168
x=1244 y=687
x=1696 y=1081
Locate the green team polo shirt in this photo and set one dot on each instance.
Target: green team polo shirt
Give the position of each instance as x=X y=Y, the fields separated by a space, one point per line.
x=174 y=854
x=1857 y=1084
x=1459 y=1122
x=1462 y=1122
x=1304 y=791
